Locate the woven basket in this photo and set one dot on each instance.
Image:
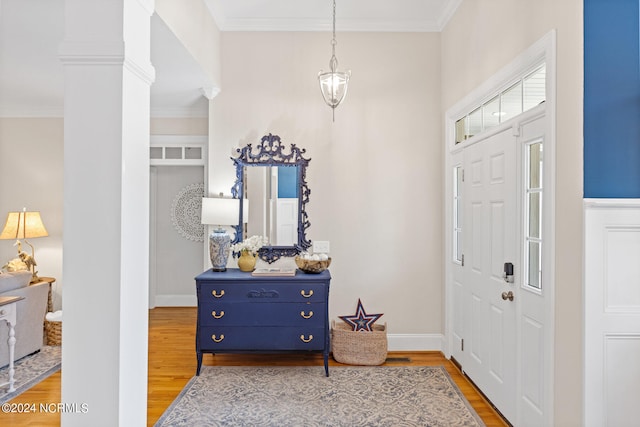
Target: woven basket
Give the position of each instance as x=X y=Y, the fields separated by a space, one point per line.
x=361 y=347
x=53 y=331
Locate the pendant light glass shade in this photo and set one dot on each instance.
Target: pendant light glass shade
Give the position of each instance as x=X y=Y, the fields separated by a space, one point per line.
x=334 y=83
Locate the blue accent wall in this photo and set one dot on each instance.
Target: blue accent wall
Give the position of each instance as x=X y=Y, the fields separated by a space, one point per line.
x=611 y=99
x=287 y=182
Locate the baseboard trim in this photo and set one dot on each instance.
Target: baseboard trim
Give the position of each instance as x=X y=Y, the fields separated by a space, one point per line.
x=415 y=342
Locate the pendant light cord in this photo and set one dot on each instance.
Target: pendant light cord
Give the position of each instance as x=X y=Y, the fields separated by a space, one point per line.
x=333 y=63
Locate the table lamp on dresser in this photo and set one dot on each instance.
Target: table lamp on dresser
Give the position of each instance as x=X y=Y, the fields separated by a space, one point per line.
x=219 y=211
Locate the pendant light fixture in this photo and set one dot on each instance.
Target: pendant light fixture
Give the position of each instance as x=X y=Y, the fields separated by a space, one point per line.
x=333 y=84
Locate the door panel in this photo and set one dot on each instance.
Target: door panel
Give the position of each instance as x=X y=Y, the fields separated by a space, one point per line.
x=534 y=332
x=459 y=301
x=492 y=227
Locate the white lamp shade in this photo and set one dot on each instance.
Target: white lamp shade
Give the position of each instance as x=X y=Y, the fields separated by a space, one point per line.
x=220 y=211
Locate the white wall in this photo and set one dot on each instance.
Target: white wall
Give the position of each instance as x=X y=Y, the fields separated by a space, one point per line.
x=179 y=126
x=481 y=38
x=31 y=177
x=191 y=22
x=375 y=174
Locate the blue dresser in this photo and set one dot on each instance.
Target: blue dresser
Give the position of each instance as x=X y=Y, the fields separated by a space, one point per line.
x=240 y=313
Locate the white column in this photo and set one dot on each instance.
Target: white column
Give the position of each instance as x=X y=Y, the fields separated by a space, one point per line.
x=106 y=211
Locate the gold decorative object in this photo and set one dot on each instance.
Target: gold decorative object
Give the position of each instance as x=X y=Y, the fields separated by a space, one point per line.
x=247 y=261
x=312 y=266
x=216 y=339
x=216 y=315
x=216 y=294
x=306 y=316
x=15 y=264
x=24 y=225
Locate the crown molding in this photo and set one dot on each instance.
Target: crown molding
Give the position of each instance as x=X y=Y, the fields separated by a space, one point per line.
x=321 y=25
x=210 y=91
x=58 y=112
x=180 y=113
x=72 y=52
x=447 y=13
x=223 y=15
x=31 y=112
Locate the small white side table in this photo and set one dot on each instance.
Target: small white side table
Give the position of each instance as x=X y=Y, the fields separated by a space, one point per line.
x=8 y=314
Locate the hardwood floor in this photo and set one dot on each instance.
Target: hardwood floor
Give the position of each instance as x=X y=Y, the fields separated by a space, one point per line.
x=172 y=362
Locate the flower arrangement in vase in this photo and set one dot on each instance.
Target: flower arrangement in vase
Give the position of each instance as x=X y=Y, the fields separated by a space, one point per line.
x=247 y=250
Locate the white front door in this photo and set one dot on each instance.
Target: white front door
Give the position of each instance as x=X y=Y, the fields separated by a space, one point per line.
x=500 y=330
x=491 y=239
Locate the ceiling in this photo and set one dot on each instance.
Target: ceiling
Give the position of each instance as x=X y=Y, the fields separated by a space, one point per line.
x=31 y=75
x=315 y=15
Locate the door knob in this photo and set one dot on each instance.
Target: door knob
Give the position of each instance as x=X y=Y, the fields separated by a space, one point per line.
x=507 y=296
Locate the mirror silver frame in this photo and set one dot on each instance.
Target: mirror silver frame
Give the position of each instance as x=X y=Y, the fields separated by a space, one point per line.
x=272 y=152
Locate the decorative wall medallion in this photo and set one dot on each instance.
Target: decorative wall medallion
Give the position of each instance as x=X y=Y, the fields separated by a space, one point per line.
x=186 y=210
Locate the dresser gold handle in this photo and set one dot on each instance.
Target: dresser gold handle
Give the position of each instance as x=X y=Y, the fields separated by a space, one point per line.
x=216 y=339
x=216 y=315
x=306 y=295
x=306 y=316
x=306 y=339
x=216 y=294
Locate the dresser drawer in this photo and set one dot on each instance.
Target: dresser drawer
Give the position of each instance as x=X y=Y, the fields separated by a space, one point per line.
x=238 y=312
x=240 y=338
x=276 y=314
x=261 y=292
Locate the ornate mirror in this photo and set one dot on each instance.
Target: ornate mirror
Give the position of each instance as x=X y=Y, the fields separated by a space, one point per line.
x=272 y=181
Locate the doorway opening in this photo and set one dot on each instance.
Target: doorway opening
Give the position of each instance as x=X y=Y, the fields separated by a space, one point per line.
x=177 y=238
x=499 y=286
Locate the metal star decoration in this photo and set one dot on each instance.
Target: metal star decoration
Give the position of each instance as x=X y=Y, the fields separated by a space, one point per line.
x=361 y=321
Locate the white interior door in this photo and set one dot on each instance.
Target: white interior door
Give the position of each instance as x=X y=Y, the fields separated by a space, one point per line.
x=491 y=239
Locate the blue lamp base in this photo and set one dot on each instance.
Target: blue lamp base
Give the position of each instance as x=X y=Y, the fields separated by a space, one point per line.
x=219 y=249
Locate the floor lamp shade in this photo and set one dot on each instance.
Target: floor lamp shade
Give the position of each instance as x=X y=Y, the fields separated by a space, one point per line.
x=220 y=211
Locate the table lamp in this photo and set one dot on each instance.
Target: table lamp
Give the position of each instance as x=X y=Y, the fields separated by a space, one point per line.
x=219 y=211
x=24 y=225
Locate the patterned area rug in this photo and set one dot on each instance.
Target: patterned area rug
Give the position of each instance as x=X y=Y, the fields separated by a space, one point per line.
x=303 y=396
x=30 y=370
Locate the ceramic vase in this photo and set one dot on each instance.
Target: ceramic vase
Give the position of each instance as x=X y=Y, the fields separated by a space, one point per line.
x=219 y=248
x=247 y=261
